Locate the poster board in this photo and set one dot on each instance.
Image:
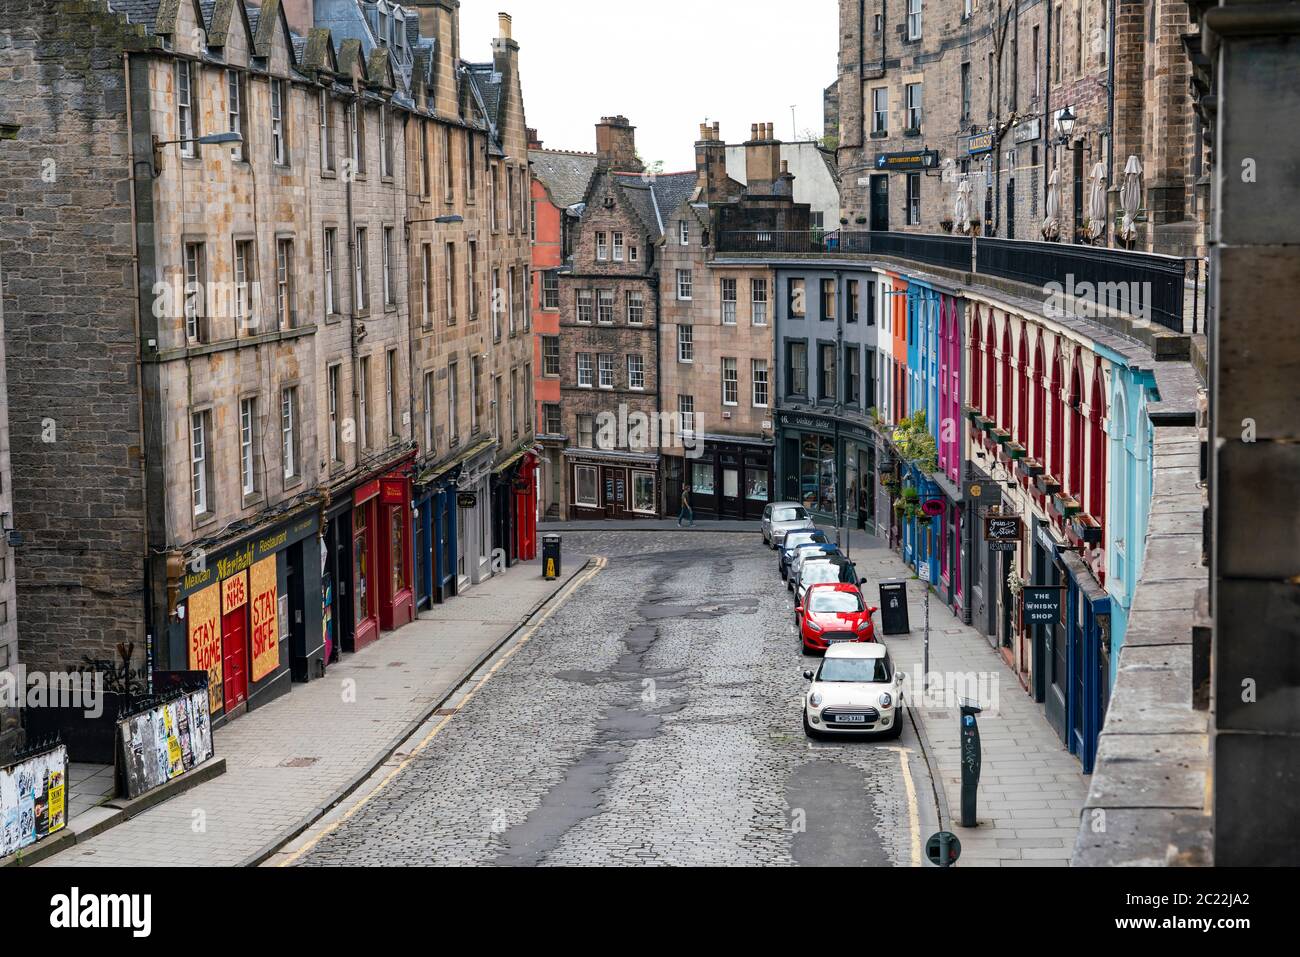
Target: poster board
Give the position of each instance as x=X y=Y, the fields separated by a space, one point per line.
x=164 y=742
x=33 y=799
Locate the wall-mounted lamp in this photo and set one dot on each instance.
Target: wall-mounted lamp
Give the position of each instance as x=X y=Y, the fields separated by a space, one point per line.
x=212 y=139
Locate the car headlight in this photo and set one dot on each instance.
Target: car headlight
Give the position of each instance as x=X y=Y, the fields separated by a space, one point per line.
x=886 y=700
x=815 y=699
x=813 y=626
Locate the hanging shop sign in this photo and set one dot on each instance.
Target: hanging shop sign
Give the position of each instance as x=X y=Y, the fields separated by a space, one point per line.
x=910 y=160
x=933 y=508
x=1002 y=533
x=1042 y=603
x=1027 y=131
x=33 y=799
x=467 y=499
x=164 y=741
x=978 y=143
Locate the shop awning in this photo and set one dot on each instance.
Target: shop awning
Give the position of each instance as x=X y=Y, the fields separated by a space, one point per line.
x=519 y=454
x=436 y=472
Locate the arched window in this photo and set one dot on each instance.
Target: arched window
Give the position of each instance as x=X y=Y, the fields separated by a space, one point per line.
x=1097 y=439
x=1075 y=483
x=1004 y=420
x=1039 y=437
x=1022 y=394
x=990 y=373
x=976 y=380
x=1057 y=445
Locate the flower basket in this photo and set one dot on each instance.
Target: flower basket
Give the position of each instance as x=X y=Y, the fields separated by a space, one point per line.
x=1088 y=529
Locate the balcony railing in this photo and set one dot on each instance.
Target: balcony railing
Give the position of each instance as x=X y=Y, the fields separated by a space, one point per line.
x=1167 y=290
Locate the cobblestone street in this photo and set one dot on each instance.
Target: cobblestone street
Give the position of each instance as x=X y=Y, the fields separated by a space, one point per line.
x=654 y=718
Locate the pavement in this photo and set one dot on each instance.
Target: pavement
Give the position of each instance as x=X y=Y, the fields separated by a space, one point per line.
x=287 y=762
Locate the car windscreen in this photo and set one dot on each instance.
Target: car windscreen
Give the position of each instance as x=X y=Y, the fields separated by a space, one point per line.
x=799 y=538
x=856 y=669
x=827 y=600
x=789 y=514
x=814 y=572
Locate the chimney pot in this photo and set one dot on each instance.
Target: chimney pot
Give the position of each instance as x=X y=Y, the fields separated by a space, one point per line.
x=503 y=22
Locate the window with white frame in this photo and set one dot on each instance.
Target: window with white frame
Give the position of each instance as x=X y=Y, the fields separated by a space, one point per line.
x=496 y=305
x=333 y=377
x=552 y=419
x=244 y=259
x=475 y=391
x=585 y=487
x=585 y=371
x=635 y=372
x=758 y=301
x=550 y=289
x=635 y=307
x=758 y=368
x=248 y=445
x=728 y=302
x=279 y=128
x=683 y=232
x=196 y=299
x=471 y=280
x=551 y=357
x=684 y=284
x=200 y=463
x=685 y=343
x=913 y=102
x=686 y=413
x=913 y=199
x=426 y=283
x=363 y=402
x=586 y=431
x=329 y=253
x=606 y=370
x=730 y=381
x=429 y=440
x=449 y=258
x=186 y=130
x=391 y=392
x=236 y=97
x=584 y=301
x=385 y=142
x=284 y=292
x=602 y=247
x=390 y=287
x=880 y=110
x=605 y=306
x=618 y=247
x=362 y=272
x=289 y=432
x=326 y=123
x=914 y=19
x=453 y=402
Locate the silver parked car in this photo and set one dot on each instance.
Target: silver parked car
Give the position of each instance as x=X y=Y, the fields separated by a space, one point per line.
x=781 y=517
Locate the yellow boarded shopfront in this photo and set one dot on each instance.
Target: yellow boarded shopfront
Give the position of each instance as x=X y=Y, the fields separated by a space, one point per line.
x=205 y=641
x=266 y=626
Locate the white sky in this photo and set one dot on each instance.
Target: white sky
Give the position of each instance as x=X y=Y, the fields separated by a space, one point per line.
x=667 y=66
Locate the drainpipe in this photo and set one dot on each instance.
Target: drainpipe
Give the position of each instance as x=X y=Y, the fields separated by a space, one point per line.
x=1047 y=107
x=148 y=608
x=1110 y=112
x=352 y=284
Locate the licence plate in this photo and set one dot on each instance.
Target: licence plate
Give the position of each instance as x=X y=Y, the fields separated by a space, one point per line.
x=851 y=719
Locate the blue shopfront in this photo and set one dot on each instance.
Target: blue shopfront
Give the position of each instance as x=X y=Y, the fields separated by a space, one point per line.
x=435 y=540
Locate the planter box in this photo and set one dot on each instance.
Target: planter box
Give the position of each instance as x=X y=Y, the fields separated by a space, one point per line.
x=1001 y=436
x=1087 y=529
x=971 y=413
x=1015 y=451
x=986 y=423
x=1029 y=468
x=1066 y=505
x=1047 y=484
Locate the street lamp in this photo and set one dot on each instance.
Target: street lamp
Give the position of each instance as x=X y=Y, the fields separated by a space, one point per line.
x=449 y=219
x=212 y=139
x=1065 y=122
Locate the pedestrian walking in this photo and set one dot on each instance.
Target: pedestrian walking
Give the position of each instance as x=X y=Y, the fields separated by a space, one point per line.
x=686 y=513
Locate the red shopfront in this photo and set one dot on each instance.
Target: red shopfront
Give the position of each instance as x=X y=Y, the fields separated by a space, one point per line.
x=381 y=557
x=525 y=508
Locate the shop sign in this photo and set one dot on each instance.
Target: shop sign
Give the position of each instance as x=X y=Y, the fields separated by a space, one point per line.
x=979 y=143
x=933 y=508
x=910 y=160
x=1042 y=603
x=1002 y=529
x=1027 y=131
x=467 y=499
x=394 y=491
x=266 y=632
x=211 y=569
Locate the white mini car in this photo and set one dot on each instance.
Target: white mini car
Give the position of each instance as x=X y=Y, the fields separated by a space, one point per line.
x=855 y=690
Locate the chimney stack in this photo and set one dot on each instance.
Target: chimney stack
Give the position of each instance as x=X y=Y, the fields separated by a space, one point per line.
x=503 y=23
x=533 y=142
x=711 y=164
x=762 y=160
x=616 y=145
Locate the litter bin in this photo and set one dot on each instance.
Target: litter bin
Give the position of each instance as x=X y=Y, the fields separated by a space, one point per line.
x=550 y=557
x=893 y=608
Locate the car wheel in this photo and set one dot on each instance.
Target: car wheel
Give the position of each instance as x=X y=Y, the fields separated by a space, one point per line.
x=808 y=728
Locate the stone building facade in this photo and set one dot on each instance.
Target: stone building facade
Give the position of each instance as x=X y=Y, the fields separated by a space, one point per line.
x=978 y=87
x=10 y=728
x=220 y=468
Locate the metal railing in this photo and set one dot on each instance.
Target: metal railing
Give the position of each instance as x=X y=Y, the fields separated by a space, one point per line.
x=1167 y=290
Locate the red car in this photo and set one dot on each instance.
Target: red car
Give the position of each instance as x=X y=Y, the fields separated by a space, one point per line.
x=833 y=612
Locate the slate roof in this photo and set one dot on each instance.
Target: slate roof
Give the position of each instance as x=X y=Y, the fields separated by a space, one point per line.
x=138 y=11
x=656 y=197
x=564 y=174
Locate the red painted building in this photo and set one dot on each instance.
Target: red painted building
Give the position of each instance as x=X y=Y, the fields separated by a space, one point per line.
x=559 y=182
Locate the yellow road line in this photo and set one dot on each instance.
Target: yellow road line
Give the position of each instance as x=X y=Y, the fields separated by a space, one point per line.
x=564 y=595
x=913 y=812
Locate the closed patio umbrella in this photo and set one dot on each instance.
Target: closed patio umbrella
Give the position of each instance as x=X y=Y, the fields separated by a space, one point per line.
x=1130 y=199
x=1097 y=202
x=1051 y=228
x=961 y=216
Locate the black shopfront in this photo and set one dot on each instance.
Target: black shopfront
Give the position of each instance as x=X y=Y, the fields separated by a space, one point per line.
x=828 y=465
x=728 y=479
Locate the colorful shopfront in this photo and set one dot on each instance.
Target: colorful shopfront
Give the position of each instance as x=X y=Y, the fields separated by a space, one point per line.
x=514 y=507
x=250 y=615
x=827 y=464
